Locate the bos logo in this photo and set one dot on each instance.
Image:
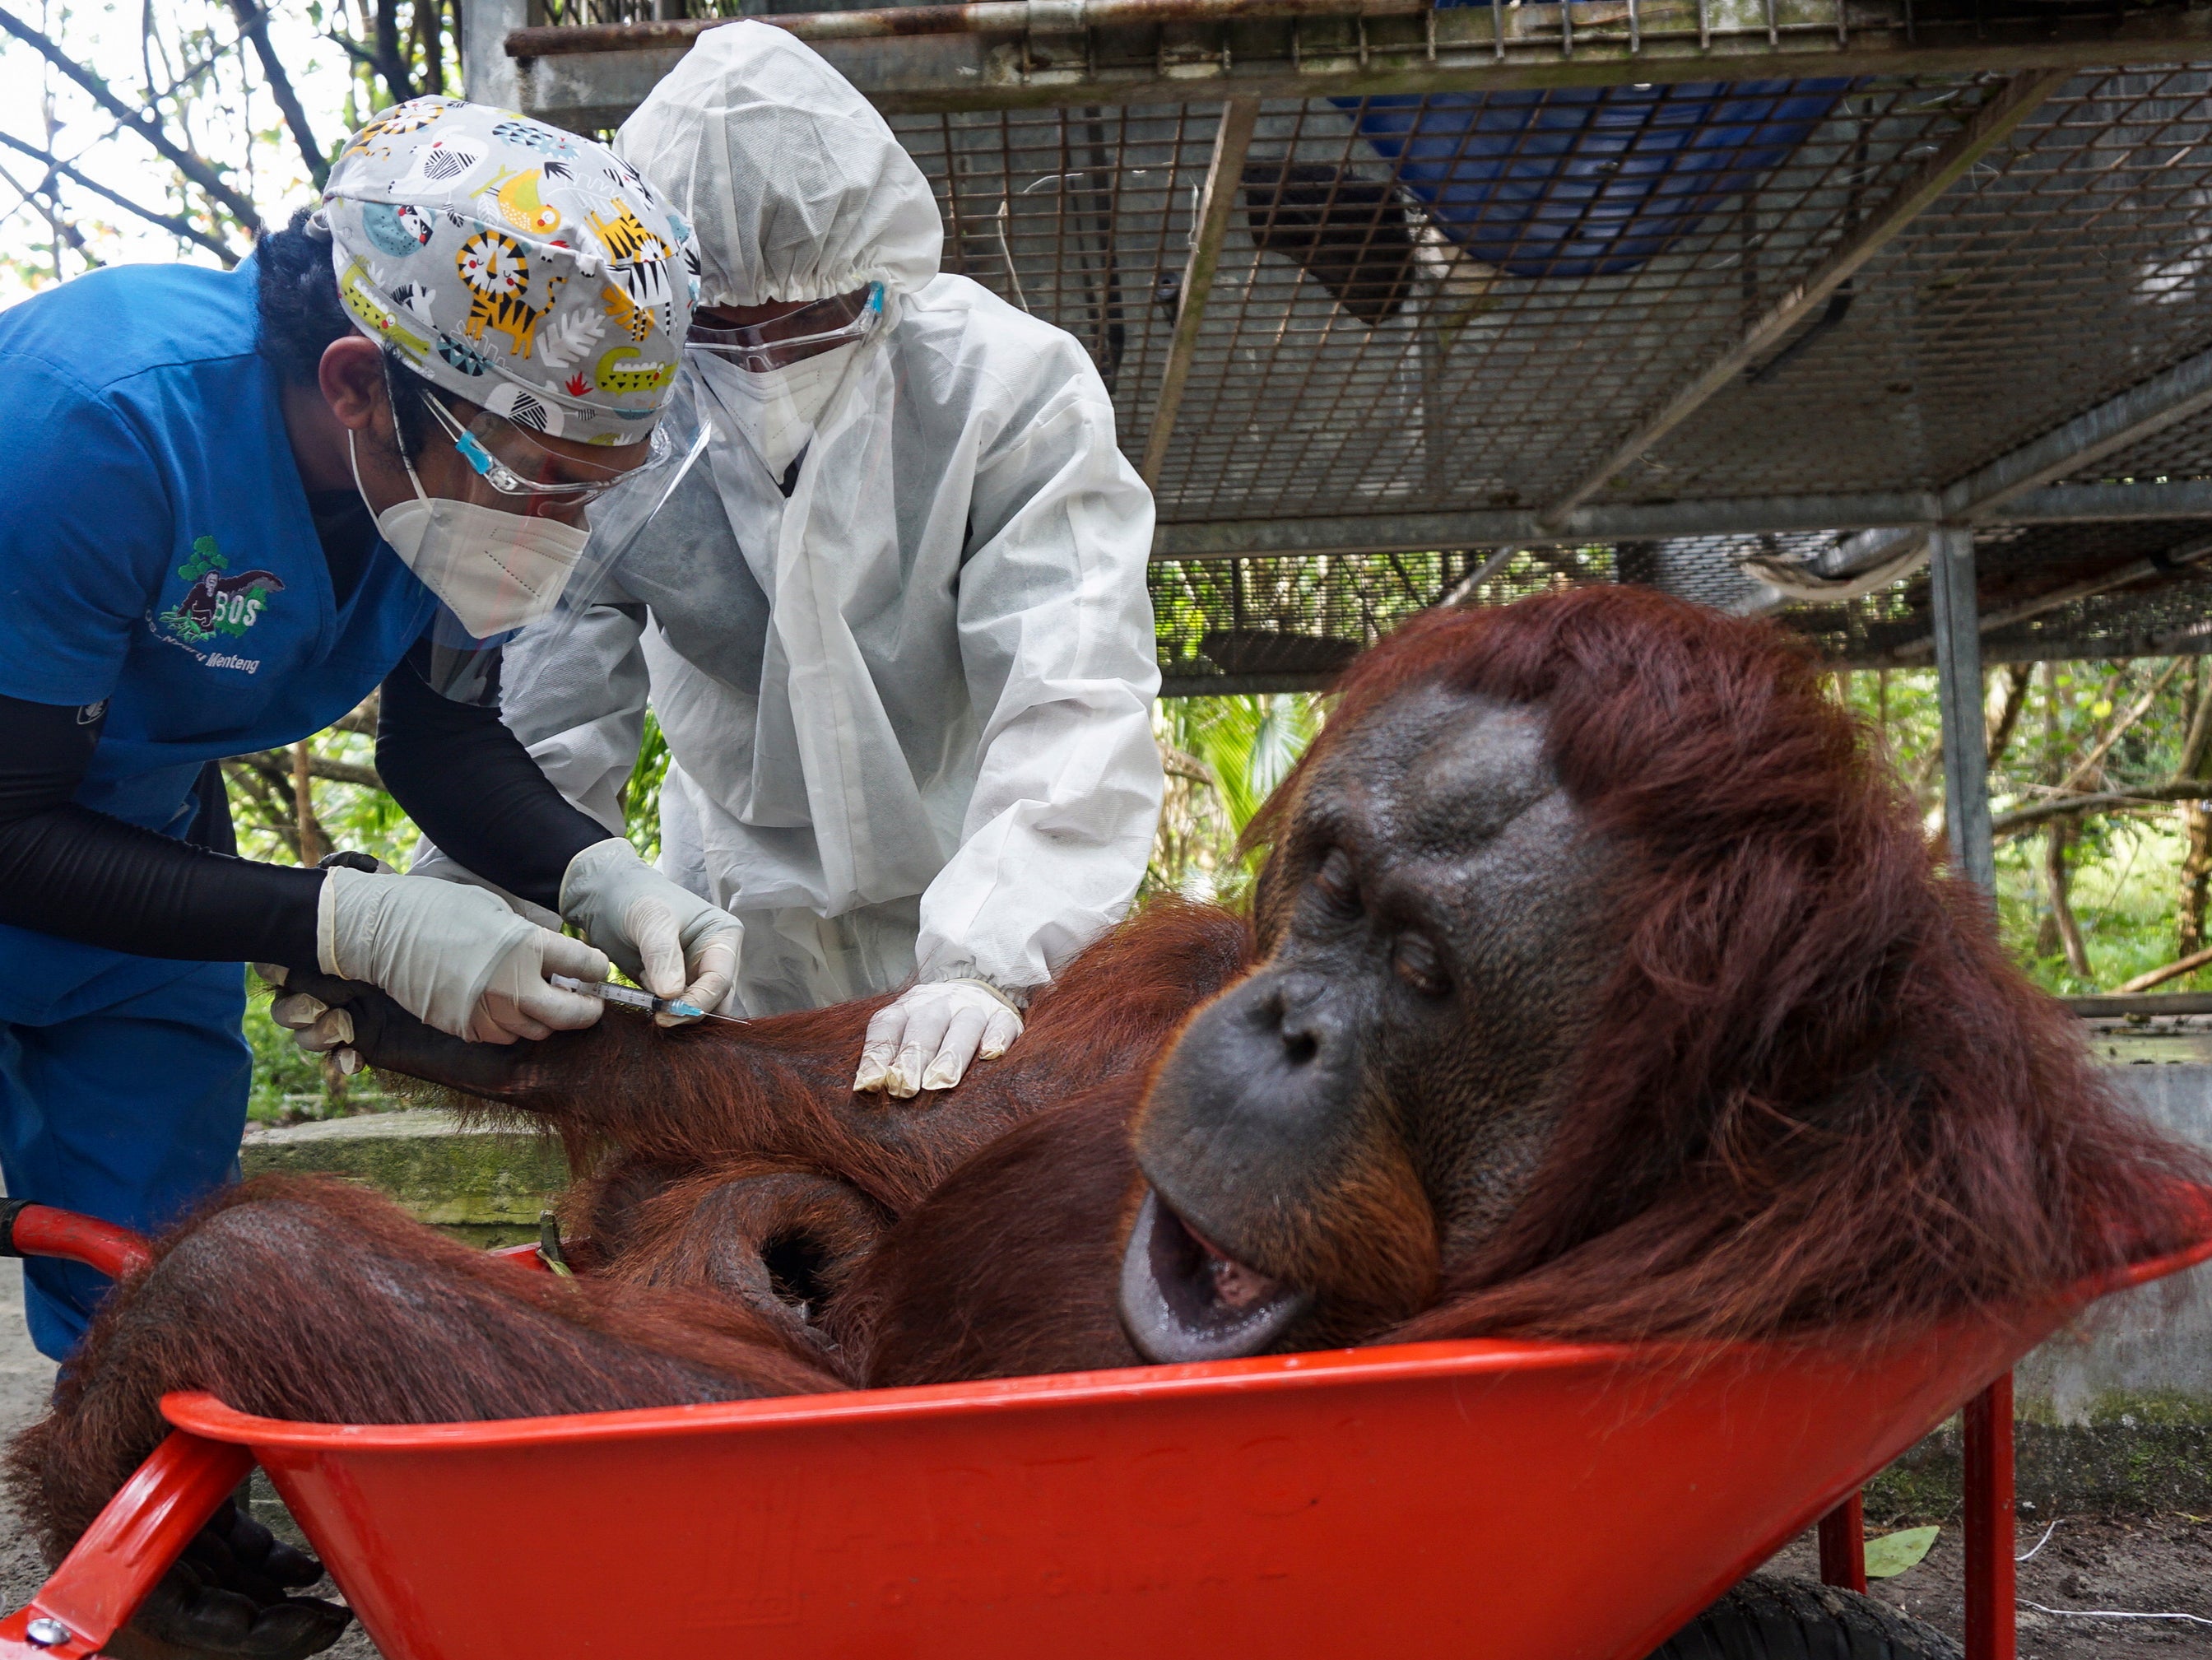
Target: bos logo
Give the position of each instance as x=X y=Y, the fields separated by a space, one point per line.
x=218 y=604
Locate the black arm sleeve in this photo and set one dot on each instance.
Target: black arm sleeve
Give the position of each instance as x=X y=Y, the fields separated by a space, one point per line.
x=68 y=871
x=458 y=772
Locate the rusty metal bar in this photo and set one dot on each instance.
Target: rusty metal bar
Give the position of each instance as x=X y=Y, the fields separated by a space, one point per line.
x=1989 y=126
x=983 y=17
x=1231 y=140
x=592 y=76
x=1615 y=522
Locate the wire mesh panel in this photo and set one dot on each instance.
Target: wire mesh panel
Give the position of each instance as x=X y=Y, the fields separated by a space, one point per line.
x=1464 y=384
x=1274 y=624
x=1355 y=352
x=2059 y=271
x=2183 y=450
x=1075 y=217
x=1459 y=303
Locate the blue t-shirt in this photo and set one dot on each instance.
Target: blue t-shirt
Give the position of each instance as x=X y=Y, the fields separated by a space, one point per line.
x=157 y=554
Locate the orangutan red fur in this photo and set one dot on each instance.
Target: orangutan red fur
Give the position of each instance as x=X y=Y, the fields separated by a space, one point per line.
x=1783 y=1082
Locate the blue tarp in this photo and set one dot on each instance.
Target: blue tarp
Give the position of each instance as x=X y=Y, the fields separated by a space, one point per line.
x=1588 y=181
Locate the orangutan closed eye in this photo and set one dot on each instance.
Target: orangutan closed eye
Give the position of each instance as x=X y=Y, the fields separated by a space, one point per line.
x=1370 y=1101
x=1599 y=985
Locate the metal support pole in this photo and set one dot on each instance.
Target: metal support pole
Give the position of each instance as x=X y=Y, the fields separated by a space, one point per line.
x=1231 y=140
x=1843 y=1545
x=1991 y=1584
x=1958 y=691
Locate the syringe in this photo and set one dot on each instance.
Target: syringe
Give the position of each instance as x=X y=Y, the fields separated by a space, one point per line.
x=630 y=997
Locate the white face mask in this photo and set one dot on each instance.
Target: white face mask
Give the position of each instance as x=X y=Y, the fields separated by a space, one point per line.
x=495 y=571
x=777 y=410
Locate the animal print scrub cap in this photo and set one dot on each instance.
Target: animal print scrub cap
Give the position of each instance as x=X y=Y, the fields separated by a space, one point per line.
x=518 y=267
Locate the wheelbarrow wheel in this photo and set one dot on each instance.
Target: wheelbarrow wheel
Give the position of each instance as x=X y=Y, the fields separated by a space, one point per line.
x=1770 y=1619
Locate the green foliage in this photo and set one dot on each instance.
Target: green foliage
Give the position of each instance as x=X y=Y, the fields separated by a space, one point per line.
x=284 y=1076
x=642 y=795
x=2123 y=868
x=1243 y=747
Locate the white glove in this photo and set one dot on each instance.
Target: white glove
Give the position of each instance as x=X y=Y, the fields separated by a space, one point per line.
x=659 y=933
x=926 y=1038
x=453 y=956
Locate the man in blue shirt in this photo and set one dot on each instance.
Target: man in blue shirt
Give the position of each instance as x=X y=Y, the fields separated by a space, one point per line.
x=240 y=501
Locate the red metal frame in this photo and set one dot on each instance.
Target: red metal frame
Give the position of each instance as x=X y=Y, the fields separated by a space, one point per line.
x=1843 y=1545
x=1990 y=1583
x=149 y=1523
x=129 y=1546
x=1990 y=1588
x=42 y=1231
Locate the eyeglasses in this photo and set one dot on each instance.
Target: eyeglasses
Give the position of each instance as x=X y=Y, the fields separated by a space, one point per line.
x=803 y=333
x=520 y=464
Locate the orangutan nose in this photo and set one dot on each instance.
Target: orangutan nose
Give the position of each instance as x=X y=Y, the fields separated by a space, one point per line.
x=1298 y=1007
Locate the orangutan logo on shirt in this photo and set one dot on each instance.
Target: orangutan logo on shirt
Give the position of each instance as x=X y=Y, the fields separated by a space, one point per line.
x=217 y=605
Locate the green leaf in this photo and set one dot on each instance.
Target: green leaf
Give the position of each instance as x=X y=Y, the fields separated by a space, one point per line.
x=1894 y=1553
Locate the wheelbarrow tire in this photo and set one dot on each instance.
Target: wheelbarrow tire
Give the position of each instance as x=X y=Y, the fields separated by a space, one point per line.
x=1766 y=1618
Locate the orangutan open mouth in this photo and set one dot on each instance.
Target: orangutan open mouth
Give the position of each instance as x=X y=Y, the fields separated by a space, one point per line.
x=1185 y=1299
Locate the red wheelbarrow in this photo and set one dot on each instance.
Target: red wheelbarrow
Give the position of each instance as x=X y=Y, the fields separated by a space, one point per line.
x=1539 y=1501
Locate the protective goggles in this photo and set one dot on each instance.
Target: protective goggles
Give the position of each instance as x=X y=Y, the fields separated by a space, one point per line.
x=507 y=458
x=795 y=335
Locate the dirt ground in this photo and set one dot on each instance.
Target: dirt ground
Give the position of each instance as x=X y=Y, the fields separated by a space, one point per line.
x=2149 y=1565
x=2159 y=1563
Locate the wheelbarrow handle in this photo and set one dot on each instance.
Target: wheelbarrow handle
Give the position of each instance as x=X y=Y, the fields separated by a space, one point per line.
x=34 y=1230
x=126 y=1550
x=168 y=1500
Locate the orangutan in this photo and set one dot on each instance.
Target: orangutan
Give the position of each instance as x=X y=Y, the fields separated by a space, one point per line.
x=1599 y=985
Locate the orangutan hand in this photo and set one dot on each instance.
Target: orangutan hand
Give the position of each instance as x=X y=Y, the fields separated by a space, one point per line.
x=356 y=1023
x=226 y=1596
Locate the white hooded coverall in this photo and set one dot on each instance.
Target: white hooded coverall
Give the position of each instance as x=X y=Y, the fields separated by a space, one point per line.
x=908 y=707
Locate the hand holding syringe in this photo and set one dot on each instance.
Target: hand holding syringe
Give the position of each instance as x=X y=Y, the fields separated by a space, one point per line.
x=630 y=997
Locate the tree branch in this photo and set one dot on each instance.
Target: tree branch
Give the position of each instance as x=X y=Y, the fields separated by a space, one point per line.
x=276 y=817
x=2088 y=764
x=2173 y=970
x=169 y=223
x=2181 y=789
x=276 y=765
x=253 y=23
x=145 y=123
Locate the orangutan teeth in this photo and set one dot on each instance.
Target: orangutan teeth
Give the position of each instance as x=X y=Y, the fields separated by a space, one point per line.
x=1235 y=1286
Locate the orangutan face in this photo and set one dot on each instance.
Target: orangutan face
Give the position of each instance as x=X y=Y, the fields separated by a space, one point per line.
x=1363 y=1111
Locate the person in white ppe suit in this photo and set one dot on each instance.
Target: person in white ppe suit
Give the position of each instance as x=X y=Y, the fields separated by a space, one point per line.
x=894 y=622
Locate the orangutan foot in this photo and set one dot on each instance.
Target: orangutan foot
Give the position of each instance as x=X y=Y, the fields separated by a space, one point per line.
x=225 y=1597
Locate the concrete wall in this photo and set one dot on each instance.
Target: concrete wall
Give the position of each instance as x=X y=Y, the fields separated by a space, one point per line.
x=2147 y=1349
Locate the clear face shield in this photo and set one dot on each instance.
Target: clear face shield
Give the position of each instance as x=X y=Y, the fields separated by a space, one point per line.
x=617 y=521
x=500 y=554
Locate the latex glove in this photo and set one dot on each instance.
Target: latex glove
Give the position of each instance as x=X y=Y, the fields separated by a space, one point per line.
x=659 y=933
x=454 y=957
x=925 y=1039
